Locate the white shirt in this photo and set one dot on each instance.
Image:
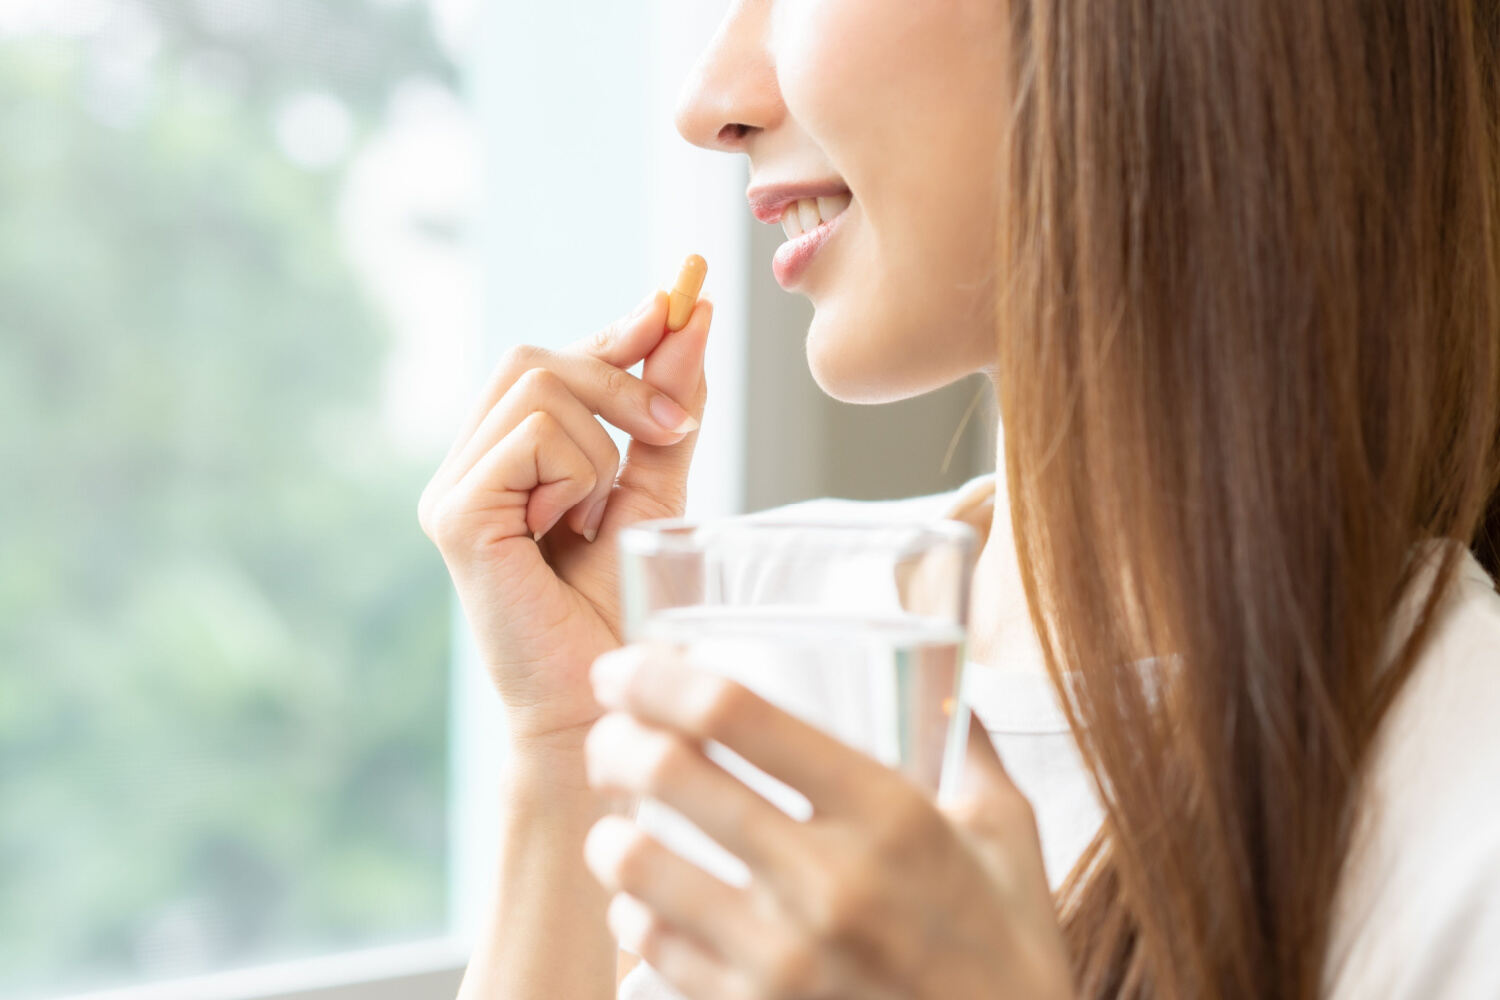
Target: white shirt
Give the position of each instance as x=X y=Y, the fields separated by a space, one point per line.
x=1418 y=911
x=1418 y=908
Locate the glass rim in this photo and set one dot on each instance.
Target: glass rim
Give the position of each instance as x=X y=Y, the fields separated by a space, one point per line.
x=677 y=535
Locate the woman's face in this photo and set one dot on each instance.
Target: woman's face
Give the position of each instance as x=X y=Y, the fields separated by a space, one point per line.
x=872 y=128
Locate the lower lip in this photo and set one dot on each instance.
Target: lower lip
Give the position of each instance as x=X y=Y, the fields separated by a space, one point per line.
x=795 y=256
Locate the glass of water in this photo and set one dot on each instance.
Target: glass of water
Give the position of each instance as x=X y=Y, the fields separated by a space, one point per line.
x=855 y=627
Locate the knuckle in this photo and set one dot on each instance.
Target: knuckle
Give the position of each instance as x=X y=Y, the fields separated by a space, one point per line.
x=794 y=969
x=444 y=523
x=520 y=357
x=581 y=473
x=663 y=499
x=847 y=902
x=614 y=380
x=633 y=866
x=611 y=456
x=668 y=761
x=906 y=828
x=539 y=425
x=537 y=383
x=602 y=340
x=651 y=942
x=673 y=498
x=717 y=705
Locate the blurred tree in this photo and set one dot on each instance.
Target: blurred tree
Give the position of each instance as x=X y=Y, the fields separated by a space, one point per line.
x=223 y=640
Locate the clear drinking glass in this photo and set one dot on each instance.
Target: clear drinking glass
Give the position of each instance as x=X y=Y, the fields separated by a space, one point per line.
x=858 y=628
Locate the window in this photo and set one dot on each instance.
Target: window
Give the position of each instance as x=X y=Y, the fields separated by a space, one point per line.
x=233 y=293
x=239 y=319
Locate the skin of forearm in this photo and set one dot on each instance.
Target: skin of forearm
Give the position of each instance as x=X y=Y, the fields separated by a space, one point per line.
x=545 y=936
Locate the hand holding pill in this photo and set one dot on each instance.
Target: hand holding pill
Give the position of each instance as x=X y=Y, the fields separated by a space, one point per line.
x=533 y=480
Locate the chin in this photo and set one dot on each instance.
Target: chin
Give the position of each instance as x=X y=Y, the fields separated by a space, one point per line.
x=851 y=366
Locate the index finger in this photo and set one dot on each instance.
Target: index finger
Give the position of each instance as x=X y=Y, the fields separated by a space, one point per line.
x=630 y=338
x=652 y=682
x=621 y=344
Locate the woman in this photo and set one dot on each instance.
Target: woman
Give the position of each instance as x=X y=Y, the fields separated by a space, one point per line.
x=1235 y=272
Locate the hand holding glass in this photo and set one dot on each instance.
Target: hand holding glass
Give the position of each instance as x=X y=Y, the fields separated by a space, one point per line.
x=857 y=628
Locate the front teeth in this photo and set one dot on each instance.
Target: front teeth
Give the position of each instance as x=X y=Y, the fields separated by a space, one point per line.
x=830 y=207
x=807 y=210
x=806 y=215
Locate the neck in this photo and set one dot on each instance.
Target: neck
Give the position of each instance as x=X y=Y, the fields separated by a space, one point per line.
x=1000 y=632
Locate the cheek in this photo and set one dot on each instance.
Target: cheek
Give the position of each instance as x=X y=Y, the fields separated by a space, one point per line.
x=902 y=98
x=841 y=65
x=875 y=82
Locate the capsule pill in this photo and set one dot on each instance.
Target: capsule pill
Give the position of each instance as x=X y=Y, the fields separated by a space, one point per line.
x=685 y=293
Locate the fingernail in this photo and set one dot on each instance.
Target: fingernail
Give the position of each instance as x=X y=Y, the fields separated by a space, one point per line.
x=595 y=518
x=611 y=675
x=629 y=920
x=671 y=416
x=606 y=844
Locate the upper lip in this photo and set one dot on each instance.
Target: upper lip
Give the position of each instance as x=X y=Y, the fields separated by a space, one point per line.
x=769 y=201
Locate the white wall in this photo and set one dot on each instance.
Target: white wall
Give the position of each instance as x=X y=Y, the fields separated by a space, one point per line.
x=591 y=200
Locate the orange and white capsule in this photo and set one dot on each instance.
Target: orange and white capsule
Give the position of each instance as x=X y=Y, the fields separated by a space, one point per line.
x=685 y=293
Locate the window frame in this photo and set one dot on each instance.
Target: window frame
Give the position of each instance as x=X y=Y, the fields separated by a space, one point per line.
x=400 y=972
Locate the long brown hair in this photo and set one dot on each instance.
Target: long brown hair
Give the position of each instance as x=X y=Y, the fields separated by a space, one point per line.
x=1250 y=360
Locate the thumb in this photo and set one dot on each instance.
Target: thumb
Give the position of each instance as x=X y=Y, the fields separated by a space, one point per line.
x=983 y=772
x=995 y=819
x=984 y=797
x=653 y=478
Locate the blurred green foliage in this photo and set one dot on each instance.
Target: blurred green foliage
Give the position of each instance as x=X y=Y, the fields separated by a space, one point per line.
x=223 y=639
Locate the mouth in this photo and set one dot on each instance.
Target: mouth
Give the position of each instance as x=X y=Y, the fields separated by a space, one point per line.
x=804 y=216
x=809 y=215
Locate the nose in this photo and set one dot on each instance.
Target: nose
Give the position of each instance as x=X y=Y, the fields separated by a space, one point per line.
x=732 y=94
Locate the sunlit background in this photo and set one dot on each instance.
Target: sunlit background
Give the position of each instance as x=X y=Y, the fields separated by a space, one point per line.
x=236 y=283
x=255 y=256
